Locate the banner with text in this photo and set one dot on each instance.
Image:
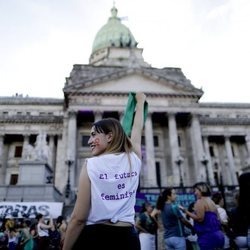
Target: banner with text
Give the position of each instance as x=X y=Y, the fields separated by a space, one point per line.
x=30 y=209
x=183 y=199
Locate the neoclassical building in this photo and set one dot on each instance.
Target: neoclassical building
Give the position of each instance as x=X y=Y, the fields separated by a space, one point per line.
x=43 y=141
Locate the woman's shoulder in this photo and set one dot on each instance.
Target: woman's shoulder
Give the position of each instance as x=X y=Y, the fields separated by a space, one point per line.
x=94 y=159
x=113 y=155
x=142 y=215
x=104 y=155
x=102 y=159
x=205 y=200
x=200 y=204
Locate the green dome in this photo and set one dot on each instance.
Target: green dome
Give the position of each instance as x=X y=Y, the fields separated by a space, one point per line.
x=113 y=34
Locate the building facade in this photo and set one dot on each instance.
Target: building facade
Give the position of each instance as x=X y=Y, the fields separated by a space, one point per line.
x=43 y=141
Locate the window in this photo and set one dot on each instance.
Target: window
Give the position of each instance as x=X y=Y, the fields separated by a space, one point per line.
x=18 y=151
x=211 y=151
x=158 y=173
x=156 y=141
x=13 y=179
x=85 y=139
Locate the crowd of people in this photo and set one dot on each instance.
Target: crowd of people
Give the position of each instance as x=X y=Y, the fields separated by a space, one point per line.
x=204 y=225
x=32 y=234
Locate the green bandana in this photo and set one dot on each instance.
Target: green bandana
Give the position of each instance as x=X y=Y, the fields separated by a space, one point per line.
x=128 y=118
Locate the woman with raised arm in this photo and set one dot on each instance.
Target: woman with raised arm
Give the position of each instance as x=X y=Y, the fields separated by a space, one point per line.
x=206 y=219
x=43 y=231
x=172 y=219
x=103 y=216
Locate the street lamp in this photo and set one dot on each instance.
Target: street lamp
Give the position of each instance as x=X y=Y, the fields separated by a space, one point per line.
x=68 y=190
x=179 y=161
x=204 y=161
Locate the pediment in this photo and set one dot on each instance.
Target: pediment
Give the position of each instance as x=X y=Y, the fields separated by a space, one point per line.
x=135 y=82
x=132 y=83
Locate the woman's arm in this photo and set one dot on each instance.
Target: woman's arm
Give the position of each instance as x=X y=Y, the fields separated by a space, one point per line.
x=47 y=226
x=138 y=123
x=139 y=226
x=155 y=212
x=34 y=233
x=199 y=209
x=26 y=236
x=186 y=223
x=80 y=212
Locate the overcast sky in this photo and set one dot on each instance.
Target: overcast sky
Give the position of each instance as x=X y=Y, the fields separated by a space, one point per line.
x=209 y=40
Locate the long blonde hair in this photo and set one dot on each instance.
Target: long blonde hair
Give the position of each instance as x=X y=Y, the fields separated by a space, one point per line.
x=120 y=141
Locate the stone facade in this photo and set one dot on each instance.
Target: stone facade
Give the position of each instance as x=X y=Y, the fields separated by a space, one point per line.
x=45 y=140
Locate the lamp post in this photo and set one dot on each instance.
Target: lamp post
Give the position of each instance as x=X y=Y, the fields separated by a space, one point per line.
x=68 y=189
x=179 y=161
x=204 y=161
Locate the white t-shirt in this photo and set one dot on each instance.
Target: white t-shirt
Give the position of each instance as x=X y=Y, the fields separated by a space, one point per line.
x=222 y=214
x=42 y=232
x=224 y=219
x=114 y=183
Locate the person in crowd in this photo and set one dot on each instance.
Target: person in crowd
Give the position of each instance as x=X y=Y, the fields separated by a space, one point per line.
x=61 y=226
x=43 y=232
x=9 y=223
x=3 y=240
x=54 y=238
x=206 y=221
x=191 y=237
x=103 y=216
x=34 y=235
x=173 y=220
x=12 y=238
x=147 y=227
x=26 y=239
x=2 y=224
x=219 y=202
x=240 y=215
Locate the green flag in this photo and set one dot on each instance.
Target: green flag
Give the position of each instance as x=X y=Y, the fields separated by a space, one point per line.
x=128 y=118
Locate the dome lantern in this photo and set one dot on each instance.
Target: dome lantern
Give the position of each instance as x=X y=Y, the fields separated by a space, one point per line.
x=114 y=44
x=113 y=34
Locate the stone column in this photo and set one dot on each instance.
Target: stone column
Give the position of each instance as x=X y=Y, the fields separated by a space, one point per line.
x=98 y=115
x=174 y=148
x=198 y=152
x=121 y=116
x=1 y=147
x=230 y=159
x=26 y=155
x=209 y=163
x=60 y=165
x=247 y=161
x=247 y=139
x=150 y=171
x=51 y=158
x=223 y=166
x=2 y=164
x=71 y=147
